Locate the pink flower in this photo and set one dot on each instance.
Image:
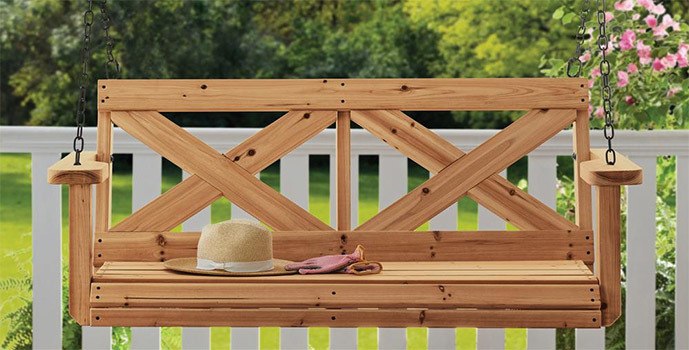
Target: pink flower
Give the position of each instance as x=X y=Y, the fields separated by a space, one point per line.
x=669 y=61
x=622 y=79
x=682 y=61
x=682 y=53
x=657 y=9
x=651 y=7
x=632 y=68
x=647 y=4
x=585 y=57
x=628 y=38
x=624 y=6
x=644 y=52
x=668 y=22
x=658 y=65
x=595 y=72
x=636 y=16
x=590 y=108
x=651 y=21
x=609 y=16
x=683 y=47
x=629 y=100
x=673 y=91
x=591 y=82
x=599 y=113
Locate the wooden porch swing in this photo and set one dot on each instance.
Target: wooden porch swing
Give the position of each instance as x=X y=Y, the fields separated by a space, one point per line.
x=538 y=277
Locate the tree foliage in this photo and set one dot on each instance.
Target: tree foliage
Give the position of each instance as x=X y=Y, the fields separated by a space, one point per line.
x=41 y=43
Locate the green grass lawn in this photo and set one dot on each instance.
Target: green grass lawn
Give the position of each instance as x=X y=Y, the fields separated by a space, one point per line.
x=15 y=241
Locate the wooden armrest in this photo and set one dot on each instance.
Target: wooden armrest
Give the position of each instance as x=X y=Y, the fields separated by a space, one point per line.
x=89 y=172
x=598 y=173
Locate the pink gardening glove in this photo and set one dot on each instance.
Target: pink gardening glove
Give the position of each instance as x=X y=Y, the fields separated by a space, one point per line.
x=326 y=264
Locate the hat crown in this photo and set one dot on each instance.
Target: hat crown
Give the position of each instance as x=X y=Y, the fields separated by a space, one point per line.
x=235 y=241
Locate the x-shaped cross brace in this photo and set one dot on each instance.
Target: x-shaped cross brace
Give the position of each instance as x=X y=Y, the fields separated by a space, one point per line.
x=230 y=174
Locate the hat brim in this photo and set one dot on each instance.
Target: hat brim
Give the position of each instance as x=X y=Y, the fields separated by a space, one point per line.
x=188 y=265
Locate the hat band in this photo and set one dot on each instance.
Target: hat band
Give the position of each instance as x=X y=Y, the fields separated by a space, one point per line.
x=235 y=266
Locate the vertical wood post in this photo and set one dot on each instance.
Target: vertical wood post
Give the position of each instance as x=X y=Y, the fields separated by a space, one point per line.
x=80 y=252
x=607 y=245
x=103 y=154
x=343 y=180
x=582 y=190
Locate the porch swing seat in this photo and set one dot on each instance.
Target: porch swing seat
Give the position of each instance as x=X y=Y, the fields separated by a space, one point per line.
x=423 y=294
x=539 y=276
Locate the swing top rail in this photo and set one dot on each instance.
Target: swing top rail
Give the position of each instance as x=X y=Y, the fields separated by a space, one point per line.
x=413 y=94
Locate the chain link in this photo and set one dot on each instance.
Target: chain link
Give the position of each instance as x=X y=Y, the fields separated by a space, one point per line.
x=109 y=42
x=78 y=143
x=606 y=91
x=574 y=61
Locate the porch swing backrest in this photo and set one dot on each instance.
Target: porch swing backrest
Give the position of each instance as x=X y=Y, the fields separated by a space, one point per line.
x=376 y=105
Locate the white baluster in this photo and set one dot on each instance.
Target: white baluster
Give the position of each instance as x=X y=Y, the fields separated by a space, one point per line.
x=146 y=183
x=345 y=338
x=682 y=255
x=392 y=180
x=542 y=185
x=443 y=338
x=196 y=338
x=490 y=338
x=641 y=258
x=588 y=338
x=294 y=184
x=46 y=236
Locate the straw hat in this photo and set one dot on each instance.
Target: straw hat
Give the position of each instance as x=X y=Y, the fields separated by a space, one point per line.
x=233 y=248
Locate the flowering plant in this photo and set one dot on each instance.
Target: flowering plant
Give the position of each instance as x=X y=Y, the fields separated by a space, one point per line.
x=648 y=58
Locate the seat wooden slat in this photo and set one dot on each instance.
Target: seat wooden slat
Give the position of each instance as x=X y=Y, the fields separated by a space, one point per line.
x=156 y=317
x=537 y=272
x=290 y=295
x=413 y=266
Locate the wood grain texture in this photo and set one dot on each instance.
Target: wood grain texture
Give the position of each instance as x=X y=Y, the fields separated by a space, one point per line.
x=254 y=154
x=597 y=172
x=344 y=318
x=582 y=190
x=238 y=185
x=171 y=95
x=608 y=260
x=104 y=144
x=435 y=153
x=468 y=272
x=343 y=180
x=90 y=171
x=80 y=252
x=412 y=246
x=494 y=155
x=313 y=295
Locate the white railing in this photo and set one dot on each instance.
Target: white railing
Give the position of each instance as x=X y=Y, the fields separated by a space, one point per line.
x=46 y=143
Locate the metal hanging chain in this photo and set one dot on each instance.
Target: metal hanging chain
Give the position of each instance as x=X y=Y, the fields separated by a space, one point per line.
x=78 y=143
x=606 y=91
x=111 y=62
x=109 y=42
x=574 y=61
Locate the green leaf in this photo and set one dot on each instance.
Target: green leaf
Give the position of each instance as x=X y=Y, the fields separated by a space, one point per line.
x=566 y=19
x=559 y=13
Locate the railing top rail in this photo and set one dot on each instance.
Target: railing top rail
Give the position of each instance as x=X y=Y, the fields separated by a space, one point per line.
x=209 y=95
x=27 y=139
